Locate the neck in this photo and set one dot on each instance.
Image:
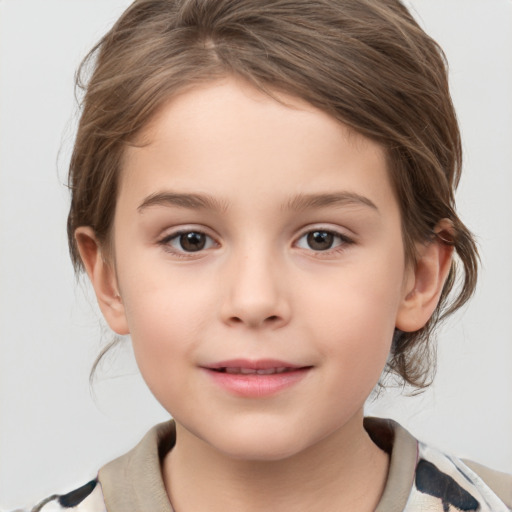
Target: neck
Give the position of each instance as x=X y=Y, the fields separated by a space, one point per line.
x=345 y=471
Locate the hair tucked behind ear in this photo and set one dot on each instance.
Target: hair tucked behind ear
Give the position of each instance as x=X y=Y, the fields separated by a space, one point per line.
x=365 y=62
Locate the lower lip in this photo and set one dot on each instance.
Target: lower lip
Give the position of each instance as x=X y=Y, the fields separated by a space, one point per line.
x=257 y=386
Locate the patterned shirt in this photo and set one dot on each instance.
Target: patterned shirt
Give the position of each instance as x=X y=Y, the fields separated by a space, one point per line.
x=420 y=479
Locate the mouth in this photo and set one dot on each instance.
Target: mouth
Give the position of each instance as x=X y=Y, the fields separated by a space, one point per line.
x=252 y=371
x=256 y=379
x=254 y=367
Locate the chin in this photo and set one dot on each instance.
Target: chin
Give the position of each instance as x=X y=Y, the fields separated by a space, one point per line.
x=260 y=442
x=261 y=449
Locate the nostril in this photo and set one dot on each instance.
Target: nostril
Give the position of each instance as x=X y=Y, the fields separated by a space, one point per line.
x=272 y=319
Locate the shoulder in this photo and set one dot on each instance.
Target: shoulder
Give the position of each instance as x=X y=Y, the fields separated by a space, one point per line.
x=500 y=483
x=123 y=483
x=460 y=484
x=87 y=498
x=420 y=477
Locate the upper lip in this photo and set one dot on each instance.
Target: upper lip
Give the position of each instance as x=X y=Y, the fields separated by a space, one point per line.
x=253 y=364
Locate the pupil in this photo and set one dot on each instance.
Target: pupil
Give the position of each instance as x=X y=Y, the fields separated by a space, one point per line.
x=192 y=241
x=320 y=240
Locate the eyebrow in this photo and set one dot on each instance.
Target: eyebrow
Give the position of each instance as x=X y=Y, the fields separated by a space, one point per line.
x=190 y=201
x=307 y=201
x=299 y=202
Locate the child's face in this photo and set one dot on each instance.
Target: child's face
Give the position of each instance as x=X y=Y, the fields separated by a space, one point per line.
x=247 y=231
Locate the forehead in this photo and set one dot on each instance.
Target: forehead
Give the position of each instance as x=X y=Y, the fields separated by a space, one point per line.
x=218 y=137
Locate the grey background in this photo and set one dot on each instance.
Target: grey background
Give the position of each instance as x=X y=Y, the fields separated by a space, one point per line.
x=54 y=432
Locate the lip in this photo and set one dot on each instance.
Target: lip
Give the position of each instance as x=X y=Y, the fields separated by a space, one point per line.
x=255 y=378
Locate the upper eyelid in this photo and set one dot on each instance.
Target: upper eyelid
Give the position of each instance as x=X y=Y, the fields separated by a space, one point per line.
x=172 y=233
x=344 y=233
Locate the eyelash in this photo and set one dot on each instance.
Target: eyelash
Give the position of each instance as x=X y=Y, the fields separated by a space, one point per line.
x=343 y=242
x=165 y=242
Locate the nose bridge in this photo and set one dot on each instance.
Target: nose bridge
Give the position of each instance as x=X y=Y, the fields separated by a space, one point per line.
x=255 y=295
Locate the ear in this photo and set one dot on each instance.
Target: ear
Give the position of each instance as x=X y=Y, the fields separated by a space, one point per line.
x=425 y=281
x=103 y=279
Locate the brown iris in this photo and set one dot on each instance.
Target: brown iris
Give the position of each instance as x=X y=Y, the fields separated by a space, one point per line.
x=320 y=240
x=192 y=241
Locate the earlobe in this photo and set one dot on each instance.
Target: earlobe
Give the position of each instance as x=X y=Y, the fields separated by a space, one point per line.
x=103 y=279
x=425 y=282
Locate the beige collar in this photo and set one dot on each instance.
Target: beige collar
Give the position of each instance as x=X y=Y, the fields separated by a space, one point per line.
x=133 y=482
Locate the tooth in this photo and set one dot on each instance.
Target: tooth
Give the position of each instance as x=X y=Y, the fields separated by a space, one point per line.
x=268 y=371
x=251 y=371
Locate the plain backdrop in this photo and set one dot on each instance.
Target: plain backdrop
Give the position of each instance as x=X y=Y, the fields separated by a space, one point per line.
x=55 y=431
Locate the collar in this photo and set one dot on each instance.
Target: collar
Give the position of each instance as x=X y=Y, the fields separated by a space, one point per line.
x=133 y=482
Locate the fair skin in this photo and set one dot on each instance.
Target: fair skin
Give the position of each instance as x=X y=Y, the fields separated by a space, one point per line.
x=295 y=262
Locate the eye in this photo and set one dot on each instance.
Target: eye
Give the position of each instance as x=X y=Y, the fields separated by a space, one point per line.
x=322 y=240
x=188 y=241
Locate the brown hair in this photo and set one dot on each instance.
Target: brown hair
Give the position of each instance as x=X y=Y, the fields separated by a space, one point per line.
x=365 y=62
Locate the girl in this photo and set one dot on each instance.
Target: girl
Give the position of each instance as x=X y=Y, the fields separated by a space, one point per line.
x=262 y=197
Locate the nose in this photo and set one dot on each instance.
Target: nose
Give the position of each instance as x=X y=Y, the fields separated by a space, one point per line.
x=256 y=294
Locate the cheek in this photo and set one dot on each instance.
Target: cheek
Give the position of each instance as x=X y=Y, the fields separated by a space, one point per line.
x=360 y=299
x=164 y=333
x=165 y=314
x=355 y=314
